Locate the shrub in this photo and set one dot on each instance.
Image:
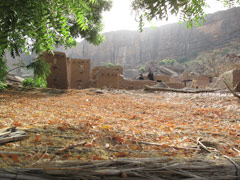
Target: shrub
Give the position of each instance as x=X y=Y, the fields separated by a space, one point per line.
x=183 y=60
x=35 y=82
x=167 y=61
x=142 y=69
x=2 y=85
x=41 y=70
x=110 y=64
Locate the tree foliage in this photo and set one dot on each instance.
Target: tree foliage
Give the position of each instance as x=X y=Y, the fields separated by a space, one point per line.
x=28 y=25
x=3 y=69
x=191 y=11
x=167 y=61
x=40 y=68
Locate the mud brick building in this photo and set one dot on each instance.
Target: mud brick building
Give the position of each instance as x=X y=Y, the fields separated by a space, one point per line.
x=78 y=73
x=106 y=76
x=203 y=81
x=161 y=77
x=66 y=72
x=175 y=85
x=134 y=84
x=75 y=74
x=175 y=82
x=175 y=79
x=59 y=75
x=96 y=69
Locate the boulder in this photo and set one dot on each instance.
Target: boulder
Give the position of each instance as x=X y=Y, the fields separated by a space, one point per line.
x=231 y=77
x=14 y=78
x=14 y=81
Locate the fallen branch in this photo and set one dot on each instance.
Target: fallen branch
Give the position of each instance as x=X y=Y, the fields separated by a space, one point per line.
x=12 y=139
x=11 y=153
x=150 y=168
x=11 y=135
x=151 y=88
x=236 y=166
x=70 y=147
x=202 y=146
x=233 y=92
x=163 y=145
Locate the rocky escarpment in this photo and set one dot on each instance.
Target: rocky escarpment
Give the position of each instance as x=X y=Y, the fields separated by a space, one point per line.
x=131 y=48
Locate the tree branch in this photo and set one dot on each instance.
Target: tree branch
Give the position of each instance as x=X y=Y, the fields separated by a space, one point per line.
x=14 y=69
x=149 y=88
x=233 y=92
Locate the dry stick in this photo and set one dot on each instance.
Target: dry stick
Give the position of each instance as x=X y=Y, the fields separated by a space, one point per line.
x=149 y=88
x=71 y=147
x=185 y=173
x=4 y=134
x=234 y=93
x=11 y=153
x=11 y=139
x=236 y=150
x=40 y=158
x=236 y=166
x=157 y=144
x=201 y=145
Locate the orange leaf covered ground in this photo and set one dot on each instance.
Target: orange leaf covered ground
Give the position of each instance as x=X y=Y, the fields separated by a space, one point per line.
x=87 y=125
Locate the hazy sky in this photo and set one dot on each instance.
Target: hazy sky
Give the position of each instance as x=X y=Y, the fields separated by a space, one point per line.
x=120 y=18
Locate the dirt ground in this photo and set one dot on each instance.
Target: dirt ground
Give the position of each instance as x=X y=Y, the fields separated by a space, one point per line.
x=96 y=124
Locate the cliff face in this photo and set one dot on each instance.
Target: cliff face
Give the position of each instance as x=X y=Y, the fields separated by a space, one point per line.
x=168 y=41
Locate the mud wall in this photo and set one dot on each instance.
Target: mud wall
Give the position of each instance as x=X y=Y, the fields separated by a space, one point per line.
x=107 y=78
x=134 y=84
x=203 y=81
x=58 y=77
x=175 y=85
x=78 y=73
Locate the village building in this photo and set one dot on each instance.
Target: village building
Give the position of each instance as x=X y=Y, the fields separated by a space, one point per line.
x=78 y=73
x=75 y=74
x=106 y=76
x=59 y=75
x=203 y=81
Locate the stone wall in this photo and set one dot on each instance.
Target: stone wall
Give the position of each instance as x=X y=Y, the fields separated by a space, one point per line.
x=78 y=73
x=58 y=77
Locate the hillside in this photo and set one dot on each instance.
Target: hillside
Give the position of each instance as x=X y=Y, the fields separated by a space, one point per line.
x=131 y=48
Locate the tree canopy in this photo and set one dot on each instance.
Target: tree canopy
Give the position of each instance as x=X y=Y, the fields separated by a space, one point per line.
x=191 y=11
x=27 y=25
x=32 y=25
